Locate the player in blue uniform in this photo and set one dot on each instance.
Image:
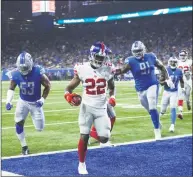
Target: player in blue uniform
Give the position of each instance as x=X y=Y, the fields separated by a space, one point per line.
x=29 y=79
x=170 y=96
x=142 y=66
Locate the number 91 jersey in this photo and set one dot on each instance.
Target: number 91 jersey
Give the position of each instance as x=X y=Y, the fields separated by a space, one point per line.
x=30 y=84
x=94 y=82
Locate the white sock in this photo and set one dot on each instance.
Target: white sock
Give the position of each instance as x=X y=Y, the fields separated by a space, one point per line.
x=21 y=138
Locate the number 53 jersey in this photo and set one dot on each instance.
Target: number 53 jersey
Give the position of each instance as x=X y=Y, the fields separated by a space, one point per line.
x=94 y=82
x=30 y=84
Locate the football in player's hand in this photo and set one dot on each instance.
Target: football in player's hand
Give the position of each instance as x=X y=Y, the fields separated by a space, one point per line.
x=76 y=100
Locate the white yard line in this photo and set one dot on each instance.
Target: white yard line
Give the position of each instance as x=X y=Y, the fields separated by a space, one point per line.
x=6 y=173
x=96 y=147
x=72 y=122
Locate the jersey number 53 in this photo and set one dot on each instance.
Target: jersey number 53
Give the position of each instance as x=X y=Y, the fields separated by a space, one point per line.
x=27 y=88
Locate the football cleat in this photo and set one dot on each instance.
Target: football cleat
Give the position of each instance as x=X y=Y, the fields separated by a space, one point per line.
x=180 y=116
x=25 y=150
x=188 y=105
x=107 y=144
x=171 y=129
x=82 y=169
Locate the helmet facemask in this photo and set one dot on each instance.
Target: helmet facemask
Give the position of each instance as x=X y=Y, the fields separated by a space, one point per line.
x=138 y=49
x=97 y=60
x=24 y=69
x=173 y=63
x=183 y=56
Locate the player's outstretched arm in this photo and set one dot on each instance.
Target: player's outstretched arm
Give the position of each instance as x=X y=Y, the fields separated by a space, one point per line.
x=163 y=70
x=47 y=86
x=10 y=94
x=68 y=95
x=126 y=67
x=111 y=87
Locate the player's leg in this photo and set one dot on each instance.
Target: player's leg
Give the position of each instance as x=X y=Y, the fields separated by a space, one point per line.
x=152 y=97
x=173 y=105
x=21 y=113
x=103 y=125
x=164 y=102
x=112 y=115
x=38 y=117
x=188 y=90
x=180 y=102
x=85 y=123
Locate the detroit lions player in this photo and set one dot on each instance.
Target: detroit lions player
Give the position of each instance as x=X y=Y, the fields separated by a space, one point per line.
x=170 y=96
x=142 y=66
x=186 y=66
x=29 y=79
x=95 y=78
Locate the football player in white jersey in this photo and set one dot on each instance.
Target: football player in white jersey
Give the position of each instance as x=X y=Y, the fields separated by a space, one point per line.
x=110 y=106
x=96 y=78
x=184 y=94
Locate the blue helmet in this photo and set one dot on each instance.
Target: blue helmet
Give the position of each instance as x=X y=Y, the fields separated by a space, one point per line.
x=24 y=63
x=98 y=53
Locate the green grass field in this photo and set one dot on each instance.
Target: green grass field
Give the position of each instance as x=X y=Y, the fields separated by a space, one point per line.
x=62 y=132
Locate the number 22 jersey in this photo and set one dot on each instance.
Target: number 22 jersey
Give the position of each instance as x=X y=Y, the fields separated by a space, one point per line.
x=94 y=82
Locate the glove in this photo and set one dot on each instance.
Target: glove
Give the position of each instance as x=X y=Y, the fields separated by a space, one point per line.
x=170 y=83
x=40 y=102
x=68 y=96
x=112 y=101
x=9 y=106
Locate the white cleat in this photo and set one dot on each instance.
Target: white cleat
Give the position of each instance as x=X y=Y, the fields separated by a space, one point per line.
x=107 y=144
x=171 y=129
x=157 y=133
x=82 y=169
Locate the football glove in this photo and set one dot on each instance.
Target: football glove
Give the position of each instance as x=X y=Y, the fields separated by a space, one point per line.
x=112 y=101
x=40 y=102
x=68 y=96
x=9 y=106
x=170 y=83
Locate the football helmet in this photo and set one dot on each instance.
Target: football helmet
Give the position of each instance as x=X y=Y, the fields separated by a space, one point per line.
x=98 y=53
x=24 y=63
x=183 y=55
x=173 y=62
x=138 y=49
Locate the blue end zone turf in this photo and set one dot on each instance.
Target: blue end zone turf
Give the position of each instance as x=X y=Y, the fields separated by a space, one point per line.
x=171 y=157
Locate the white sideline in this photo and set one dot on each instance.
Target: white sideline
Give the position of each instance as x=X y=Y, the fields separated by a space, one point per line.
x=96 y=147
x=72 y=122
x=6 y=173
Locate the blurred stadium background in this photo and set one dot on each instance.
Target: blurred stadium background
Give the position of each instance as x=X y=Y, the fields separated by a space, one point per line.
x=58 y=47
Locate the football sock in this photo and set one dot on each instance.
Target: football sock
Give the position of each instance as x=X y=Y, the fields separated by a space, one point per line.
x=20 y=134
x=93 y=133
x=173 y=115
x=82 y=149
x=180 y=105
x=112 y=122
x=154 y=117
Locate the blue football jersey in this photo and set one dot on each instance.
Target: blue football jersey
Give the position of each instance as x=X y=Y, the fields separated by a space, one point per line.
x=143 y=71
x=30 y=84
x=175 y=75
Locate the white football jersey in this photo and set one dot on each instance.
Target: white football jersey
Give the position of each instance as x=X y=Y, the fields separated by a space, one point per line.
x=186 y=67
x=94 y=82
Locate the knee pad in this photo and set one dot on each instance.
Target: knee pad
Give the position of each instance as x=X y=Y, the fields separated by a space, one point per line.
x=103 y=139
x=19 y=127
x=84 y=137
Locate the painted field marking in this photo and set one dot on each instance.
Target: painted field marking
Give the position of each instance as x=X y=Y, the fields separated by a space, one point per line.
x=96 y=147
x=72 y=122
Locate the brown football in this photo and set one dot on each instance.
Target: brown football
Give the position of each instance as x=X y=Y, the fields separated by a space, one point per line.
x=77 y=100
